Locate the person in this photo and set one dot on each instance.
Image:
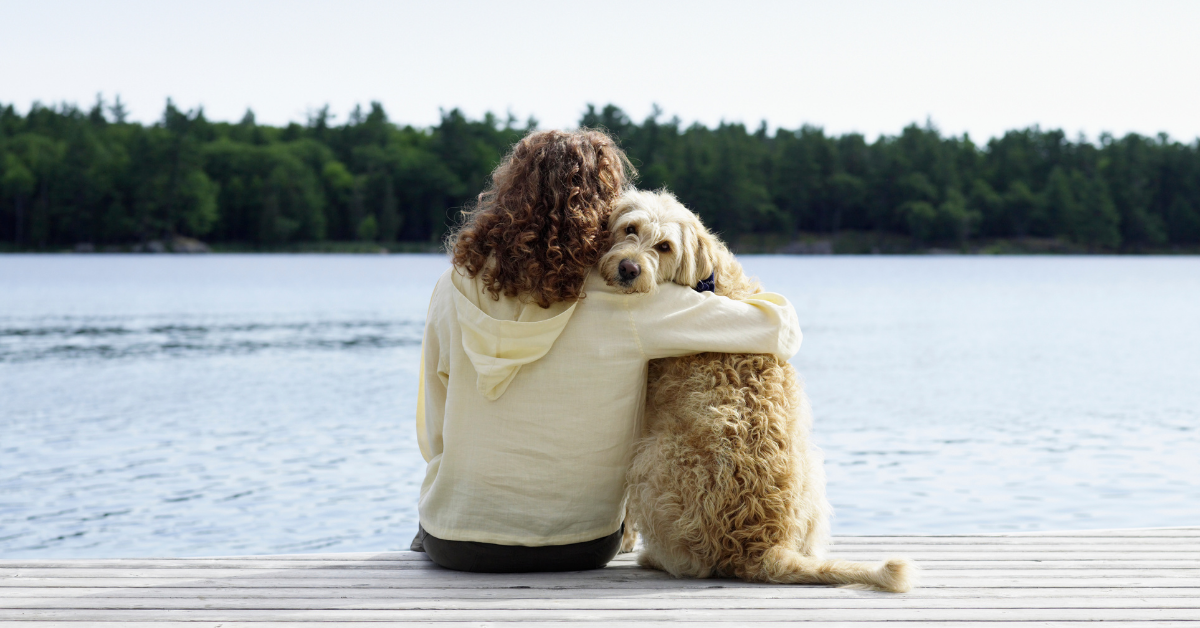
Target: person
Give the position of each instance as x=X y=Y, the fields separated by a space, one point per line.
x=533 y=369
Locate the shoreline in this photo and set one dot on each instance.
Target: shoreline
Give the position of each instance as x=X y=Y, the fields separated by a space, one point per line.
x=852 y=244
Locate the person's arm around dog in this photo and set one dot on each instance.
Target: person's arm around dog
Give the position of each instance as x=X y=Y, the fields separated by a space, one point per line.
x=679 y=321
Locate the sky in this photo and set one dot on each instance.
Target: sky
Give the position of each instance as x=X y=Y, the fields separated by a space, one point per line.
x=871 y=67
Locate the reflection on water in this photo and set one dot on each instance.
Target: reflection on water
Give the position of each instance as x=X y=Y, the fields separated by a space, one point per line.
x=131 y=337
x=243 y=404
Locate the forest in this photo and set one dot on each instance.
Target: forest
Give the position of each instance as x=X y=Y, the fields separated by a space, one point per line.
x=70 y=175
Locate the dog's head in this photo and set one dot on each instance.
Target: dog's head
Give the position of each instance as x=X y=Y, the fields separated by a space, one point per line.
x=657 y=240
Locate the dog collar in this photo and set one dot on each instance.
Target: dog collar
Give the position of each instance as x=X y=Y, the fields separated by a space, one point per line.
x=708 y=285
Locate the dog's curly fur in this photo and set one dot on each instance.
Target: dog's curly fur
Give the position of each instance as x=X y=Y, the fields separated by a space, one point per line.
x=724 y=481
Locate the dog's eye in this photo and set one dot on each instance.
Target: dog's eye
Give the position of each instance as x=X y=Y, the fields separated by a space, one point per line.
x=631 y=230
x=665 y=247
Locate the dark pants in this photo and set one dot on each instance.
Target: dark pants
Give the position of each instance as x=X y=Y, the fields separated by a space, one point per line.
x=492 y=558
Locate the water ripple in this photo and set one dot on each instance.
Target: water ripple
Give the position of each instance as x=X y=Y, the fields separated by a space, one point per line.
x=238 y=405
x=87 y=339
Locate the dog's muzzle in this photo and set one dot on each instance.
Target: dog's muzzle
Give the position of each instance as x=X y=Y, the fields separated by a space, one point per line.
x=628 y=270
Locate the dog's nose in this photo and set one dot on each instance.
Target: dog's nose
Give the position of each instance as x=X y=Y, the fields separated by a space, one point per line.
x=628 y=270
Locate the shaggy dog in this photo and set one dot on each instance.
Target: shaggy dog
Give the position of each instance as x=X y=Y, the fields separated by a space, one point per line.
x=723 y=482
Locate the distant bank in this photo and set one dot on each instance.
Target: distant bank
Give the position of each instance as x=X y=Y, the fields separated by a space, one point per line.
x=844 y=243
x=71 y=177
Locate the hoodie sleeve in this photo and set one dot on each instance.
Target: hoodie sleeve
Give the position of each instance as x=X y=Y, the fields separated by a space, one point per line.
x=675 y=321
x=431 y=388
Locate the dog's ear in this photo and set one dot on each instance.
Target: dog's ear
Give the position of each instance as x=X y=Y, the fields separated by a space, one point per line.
x=701 y=255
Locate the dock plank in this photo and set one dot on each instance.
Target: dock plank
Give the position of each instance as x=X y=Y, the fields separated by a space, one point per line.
x=559 y=624
x=928 y=562
x=588 y=603
x=754 y=592
x=661 y=614
x=425 y=572
x=1131 y=577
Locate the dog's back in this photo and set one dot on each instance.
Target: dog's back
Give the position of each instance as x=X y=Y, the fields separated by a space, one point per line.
x=725 y=481
x=725 y=472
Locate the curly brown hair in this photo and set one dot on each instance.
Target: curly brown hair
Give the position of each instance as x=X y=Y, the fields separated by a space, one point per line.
x=542 y=222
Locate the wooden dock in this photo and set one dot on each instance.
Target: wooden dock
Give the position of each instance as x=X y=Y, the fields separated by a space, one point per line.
x=1147 y=577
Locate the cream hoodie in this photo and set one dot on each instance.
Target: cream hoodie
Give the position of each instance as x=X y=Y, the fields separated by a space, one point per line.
x=527 y=416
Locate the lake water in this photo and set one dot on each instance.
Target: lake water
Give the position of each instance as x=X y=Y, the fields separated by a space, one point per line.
x=183 y=406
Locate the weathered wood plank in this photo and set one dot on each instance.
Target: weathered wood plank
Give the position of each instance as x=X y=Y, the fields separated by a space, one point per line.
x=966 y=561
x=1066 y=548
x=415 y=573
x=720 y=592
x=1030 y=549
x=592 y=603
x=972 y=553
x=577 y=580
x=1116 y=531
x=1015 y=540
x=556 y=624
x=1127 y=532
x=671 y=614
x=1178 y=560
x=1136 y=577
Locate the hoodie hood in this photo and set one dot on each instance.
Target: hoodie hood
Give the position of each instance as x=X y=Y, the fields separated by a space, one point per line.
x=498 y=348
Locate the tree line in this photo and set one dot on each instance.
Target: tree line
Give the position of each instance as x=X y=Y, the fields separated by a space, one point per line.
x=69 y=175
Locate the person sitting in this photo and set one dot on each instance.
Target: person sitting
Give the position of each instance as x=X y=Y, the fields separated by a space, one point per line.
x=533 y=369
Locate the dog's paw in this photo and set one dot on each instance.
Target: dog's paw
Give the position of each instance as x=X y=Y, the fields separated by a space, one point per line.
x=628 y=540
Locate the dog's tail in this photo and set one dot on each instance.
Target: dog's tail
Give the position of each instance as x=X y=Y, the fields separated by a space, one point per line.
x=787 y=566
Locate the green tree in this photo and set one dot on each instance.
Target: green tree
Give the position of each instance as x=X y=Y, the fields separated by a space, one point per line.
x=1096 y=223
x=1183 y=220
x=846 y=195
x=957 y=222
x=389 y=213
x=17 y=183
x=989 y=205
x=1019 y=205
x=922 y=219
x=69 y=175
x=368 y=229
